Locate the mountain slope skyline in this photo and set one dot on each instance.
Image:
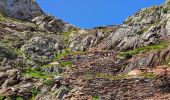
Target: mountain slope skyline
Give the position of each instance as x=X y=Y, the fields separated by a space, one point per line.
x=89 y=14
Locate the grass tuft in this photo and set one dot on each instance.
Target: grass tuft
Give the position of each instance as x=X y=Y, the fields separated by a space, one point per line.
x=37 y=74
x=158 y=47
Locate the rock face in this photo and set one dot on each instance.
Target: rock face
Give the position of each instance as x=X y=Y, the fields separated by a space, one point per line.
x=52 y=24
x=20 y=9
x=40 y=49
x=5 y=53
x=141 y=29
x=44 y=58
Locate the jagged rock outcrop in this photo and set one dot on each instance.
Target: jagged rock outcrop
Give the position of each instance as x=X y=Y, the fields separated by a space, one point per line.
x=40 y=50
x=5 y=53
x=20 y=9
x=144 y=28
x=52 y=24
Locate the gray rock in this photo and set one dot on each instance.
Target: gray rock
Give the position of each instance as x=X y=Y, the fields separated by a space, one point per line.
x=152 y=36
x=63 y=91
x=97 y=37
x=128 y=43
x=52 y=69
x=86 y=42
x=58 y=78
x=115 y=38
x=27 y=85
x=44 y=89
x=20 y=9
x=141 y=62
x=39 y=50
x=52 y=24
x=5 y=53
x=168 y=26
x=58 y=46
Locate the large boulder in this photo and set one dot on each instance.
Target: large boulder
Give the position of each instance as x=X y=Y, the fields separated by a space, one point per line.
x=40 y=50
x=20 y=9
x=5 y=53
x=115 y=38
x=52 y=24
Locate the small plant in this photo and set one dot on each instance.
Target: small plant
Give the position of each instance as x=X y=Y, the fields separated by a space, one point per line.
x=62 y=54
x=95 y=98
x=34 y=92
x=37 y=74
x=49 y=82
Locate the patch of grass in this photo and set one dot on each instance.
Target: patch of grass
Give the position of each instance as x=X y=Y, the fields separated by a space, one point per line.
x=95 y=98
x=37 y=74
x=136 y=51
x=35 y=92
x=1 y=97
x=66 y=63
x=123 y=76
x=49 y=82
x=2 y=18
x=87 y=77
x=112 y=77
x=19 y=98
x=66 y=35
x=62 y=54
x=65 y=53
x=148 y=75
x=19 y=53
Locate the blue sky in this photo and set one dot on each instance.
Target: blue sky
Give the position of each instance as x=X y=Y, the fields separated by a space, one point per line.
x=92 y=13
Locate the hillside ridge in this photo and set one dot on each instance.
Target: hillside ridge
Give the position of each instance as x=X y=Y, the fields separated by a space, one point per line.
x=45 y=58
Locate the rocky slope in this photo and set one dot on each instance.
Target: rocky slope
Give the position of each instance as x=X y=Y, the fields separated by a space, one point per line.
x=44 y=58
